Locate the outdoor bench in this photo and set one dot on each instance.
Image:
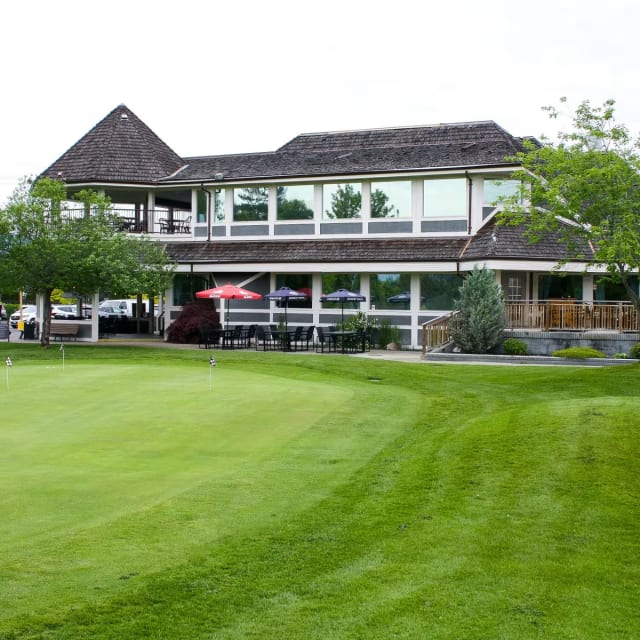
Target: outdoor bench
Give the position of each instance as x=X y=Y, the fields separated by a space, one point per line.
x=64 y=330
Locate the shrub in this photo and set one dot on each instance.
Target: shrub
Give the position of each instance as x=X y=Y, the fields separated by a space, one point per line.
x=479 y=325
x=388 y=334
x=634 y=352
x=578 y=353
x=195 y=316
x=514 y=347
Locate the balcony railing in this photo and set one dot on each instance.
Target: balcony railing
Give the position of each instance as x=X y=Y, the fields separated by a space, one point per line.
x=153 y=221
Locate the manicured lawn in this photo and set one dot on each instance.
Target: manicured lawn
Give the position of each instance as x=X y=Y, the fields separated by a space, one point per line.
x=304 y=497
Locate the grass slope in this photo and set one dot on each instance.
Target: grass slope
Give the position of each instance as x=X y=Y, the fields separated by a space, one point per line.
x=315 y=497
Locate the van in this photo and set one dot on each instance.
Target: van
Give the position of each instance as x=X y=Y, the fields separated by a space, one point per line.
x=128 y=307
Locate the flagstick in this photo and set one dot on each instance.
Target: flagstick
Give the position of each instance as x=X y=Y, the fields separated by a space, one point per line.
x=212 y=363
x=9 y=365
x=62 y=349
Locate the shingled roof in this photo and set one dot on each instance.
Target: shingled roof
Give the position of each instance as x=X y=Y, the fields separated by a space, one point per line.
x=493 y=242
x=120 y=149
x=463 y=145
x=283 y=251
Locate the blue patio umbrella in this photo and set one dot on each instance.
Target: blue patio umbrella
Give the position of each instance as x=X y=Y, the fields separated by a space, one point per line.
x=342 y=296
x=283 y=295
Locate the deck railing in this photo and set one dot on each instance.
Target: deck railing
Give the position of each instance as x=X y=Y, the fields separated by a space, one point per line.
x=436 y=333
x=550 y=315
x=555 y=315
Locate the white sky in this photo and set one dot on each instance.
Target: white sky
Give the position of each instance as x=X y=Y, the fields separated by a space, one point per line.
x=248 y=75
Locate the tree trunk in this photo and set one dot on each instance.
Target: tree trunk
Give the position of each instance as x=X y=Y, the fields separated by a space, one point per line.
x=45 y=330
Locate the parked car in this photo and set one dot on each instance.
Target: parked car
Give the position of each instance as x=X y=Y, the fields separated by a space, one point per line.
x=106 y=311
x=28 y=313
x=63 y=311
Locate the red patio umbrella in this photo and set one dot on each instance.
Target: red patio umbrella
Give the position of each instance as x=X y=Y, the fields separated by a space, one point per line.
x=229 y=292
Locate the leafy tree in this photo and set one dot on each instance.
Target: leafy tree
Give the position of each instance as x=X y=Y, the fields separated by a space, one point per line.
x=586 y=187
x=45 y=246
x=346 y=202
x=479 y=325
x=379 y=204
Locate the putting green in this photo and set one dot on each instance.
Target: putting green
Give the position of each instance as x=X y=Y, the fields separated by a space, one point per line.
x=111 y=470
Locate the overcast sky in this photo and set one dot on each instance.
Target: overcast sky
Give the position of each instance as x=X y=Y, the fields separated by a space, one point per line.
x=230 y=77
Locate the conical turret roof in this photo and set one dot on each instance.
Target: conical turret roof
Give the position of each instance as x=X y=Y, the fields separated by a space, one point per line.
x=121 y=149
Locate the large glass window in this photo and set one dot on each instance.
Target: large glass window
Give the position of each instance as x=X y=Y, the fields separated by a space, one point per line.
x=218 y=205
x=300 y=282
x=341 y=201
x=185 y=286
x=295 y=202
x=446 y=198
x=391 y=199
x=495 y=190
x=333 y=281
x=608 y=290
x=201 y=198
x=390 y=290
x=438 y=291
x=250 y=204
x=560 y=286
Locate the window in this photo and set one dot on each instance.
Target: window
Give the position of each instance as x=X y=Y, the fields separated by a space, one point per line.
x=185 y=286
x=300 y=282
x=341 y=201
x=390 y=291
x=446 y=198
x=218 y=205
x=495 y=190
x=391 y=199
x=514 y=286
x=607 y=290
x=333 y=281
x=560 y=286
x=201 y=198
x=438 y=291
x=295 y=202
x=250 y=204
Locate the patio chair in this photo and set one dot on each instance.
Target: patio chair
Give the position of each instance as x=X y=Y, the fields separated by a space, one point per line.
x=236 y=338
x=306 y=339
x=248 y=335
x=294 y=339
x=324 y=340
x=265 y=339
x=185 y=226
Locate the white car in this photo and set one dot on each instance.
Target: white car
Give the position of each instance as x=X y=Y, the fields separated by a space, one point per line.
x=28 y=313
x=63 y=311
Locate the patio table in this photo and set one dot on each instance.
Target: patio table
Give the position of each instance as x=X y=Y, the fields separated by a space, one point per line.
x=343 y=338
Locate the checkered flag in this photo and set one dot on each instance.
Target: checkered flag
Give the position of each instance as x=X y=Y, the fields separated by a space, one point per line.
x=212 y=361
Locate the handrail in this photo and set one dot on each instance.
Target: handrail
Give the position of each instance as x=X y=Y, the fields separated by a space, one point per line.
x=570 y=315
x=436 y=333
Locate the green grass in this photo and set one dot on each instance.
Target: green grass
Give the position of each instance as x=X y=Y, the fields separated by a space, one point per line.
x=305 y=497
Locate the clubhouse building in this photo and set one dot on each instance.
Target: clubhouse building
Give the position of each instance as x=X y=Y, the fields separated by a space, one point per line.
x=398 y=214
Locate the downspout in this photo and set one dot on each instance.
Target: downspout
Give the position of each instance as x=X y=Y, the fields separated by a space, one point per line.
x=470 y=182
x=208 y=211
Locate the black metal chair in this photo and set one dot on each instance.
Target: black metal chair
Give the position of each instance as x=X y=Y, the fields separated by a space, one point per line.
x=324 y=340
x=306 y=339
x=248 y=335
x=265 y=339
